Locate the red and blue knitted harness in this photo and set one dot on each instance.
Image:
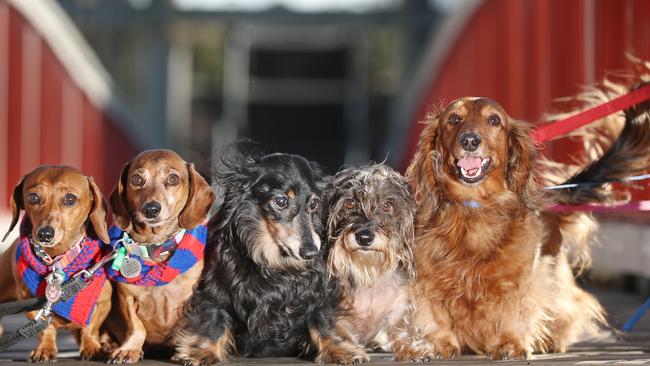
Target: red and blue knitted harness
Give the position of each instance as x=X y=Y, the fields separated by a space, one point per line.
x=187 y=253
x=33 y=272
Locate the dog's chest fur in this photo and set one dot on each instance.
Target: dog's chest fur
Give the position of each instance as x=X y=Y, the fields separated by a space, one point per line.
x=377 y=309
x=480 y=255
x=160 y=307
x=274 y=312
x=482 y=268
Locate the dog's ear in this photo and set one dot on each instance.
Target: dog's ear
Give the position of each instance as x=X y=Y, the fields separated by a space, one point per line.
x=407 y=229
x=119 y=204
x=420 y=173
x=98 y=212
x=521 y=157
x=199 y=200
x=322 y=180
x=15 y=204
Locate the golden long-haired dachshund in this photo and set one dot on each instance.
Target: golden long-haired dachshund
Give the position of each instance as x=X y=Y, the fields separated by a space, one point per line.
x=493 y=275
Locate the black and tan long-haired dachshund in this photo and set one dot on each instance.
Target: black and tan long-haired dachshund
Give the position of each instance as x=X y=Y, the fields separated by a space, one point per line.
x=265 y=290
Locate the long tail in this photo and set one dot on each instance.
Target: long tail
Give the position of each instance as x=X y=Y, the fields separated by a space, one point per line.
x=616 y=147
x=628 y=155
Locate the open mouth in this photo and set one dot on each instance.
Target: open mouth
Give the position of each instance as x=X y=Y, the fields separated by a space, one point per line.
x=472 y=169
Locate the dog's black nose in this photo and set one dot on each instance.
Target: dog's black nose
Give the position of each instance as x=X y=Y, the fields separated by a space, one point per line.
x=151 y=209
x=364 y=237
x=470 y=141
x=308 y=251
x=45 y=234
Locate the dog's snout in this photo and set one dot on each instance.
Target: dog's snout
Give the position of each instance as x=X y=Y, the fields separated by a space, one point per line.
x=45 y=234
x=469 y=141
x=308 y=251
x=151 y=209
x=364 y=237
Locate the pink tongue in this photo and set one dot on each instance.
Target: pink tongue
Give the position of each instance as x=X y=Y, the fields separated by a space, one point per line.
x=470 y=162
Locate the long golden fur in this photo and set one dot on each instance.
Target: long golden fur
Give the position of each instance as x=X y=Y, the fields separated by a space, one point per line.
x=492 y=275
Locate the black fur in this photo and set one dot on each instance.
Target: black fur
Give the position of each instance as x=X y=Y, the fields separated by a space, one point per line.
x=269 y=310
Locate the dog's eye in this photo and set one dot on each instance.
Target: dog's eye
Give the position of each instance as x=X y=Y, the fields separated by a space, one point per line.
x=494 y=120
x=281 y=202
x=137 y=180
x=33 y=199
x=173 y=180
x=386 y=206
x=69 y=199
x=313 y=204
x=349 y=204
x=454 y=119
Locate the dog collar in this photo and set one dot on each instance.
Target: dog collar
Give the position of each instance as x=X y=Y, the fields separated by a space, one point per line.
x=44 y=280
x=140 y=272
x=152 y=251
x=60 y=261
x=471 y=203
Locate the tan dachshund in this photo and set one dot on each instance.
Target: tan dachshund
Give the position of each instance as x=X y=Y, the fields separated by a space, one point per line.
x=62 y=208
x=158 y=196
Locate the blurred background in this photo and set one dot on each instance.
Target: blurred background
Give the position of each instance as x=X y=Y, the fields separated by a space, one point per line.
x=90 y=83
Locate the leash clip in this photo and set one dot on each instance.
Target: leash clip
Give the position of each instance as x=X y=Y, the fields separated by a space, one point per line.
x=45 y=313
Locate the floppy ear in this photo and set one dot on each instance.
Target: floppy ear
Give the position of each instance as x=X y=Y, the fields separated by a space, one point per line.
x=119 y=205
x=98 y=212
x=199 y=200
x=15 y=204
x=407 y=233
x=420 y=173
x=521 y=157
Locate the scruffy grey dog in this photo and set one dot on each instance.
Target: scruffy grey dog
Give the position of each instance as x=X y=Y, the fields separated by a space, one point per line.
x=370 y=233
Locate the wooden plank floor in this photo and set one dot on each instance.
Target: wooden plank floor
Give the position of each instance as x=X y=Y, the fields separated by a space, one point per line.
x=609 y=349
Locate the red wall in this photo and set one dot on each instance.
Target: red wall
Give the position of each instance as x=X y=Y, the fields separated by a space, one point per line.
x=45 y=118
x=525 y=54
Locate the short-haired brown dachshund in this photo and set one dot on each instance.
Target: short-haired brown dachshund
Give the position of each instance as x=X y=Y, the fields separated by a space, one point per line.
x=65 y=214
x=159 y=204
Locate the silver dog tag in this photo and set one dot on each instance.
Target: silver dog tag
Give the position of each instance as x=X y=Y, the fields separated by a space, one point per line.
x=131 y=268
x=52 y=292
x=52 y=288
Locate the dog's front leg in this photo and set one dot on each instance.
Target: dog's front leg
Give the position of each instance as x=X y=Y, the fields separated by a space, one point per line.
x=408 y=342
x=509 y=345
x=46 y=350
x=205 y=336
x=90 y=346
x=131 y=349
x=194 y=349
x=337 y=347
x=432 y=321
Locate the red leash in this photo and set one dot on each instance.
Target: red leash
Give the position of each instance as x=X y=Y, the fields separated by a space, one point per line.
x=554 y=129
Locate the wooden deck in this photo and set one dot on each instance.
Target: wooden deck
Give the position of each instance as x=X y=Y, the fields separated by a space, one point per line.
x=610 y=349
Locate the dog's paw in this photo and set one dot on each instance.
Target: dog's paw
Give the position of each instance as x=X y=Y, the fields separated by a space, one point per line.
x=343 y=355
x=125 y=356
x=108 y=344
x=92 y=352
x=419 y=351
x=43 y=354
x=200 y=358
x=508 y=351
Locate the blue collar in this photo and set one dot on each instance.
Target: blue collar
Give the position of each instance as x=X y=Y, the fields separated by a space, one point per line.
x=472 y=204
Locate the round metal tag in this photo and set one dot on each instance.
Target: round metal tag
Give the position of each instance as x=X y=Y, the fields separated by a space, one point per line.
x=52 y=291
x=131 y=268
